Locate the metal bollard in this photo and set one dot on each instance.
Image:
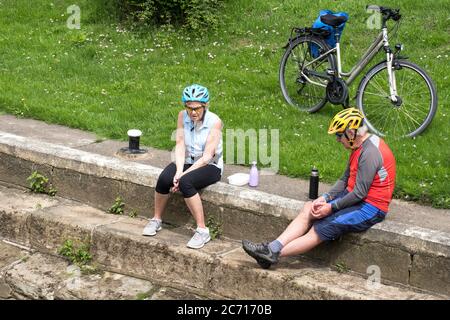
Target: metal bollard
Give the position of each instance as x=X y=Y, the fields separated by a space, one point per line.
x=133 y=149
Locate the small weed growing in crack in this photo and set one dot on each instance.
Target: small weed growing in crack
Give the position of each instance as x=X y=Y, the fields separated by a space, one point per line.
x=78 y=253
x=133 y=214
x=118 y=206
x=39 y=184
x=214 y=227
x=341 y=267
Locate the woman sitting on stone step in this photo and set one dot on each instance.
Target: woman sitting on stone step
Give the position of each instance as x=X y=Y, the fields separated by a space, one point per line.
x=198 y=162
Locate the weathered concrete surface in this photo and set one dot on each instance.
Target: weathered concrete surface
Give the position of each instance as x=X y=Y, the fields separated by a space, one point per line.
x=219 y=270
x=103 y=286
x=52 y=133
x=9 y=256
x=392 y=247
x=16 y=207
x=36 y=278
x=40 y=276
x=97 y=179
x=165 y=257
x=394 y=263
x=431 y=272
x=298 y=279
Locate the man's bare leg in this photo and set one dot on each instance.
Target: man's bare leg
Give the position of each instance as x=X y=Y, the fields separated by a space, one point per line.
x=299 y=226
x=302 y=244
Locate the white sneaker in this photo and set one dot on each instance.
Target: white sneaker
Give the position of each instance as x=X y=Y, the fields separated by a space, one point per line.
x=152 y=227
x=199 y=239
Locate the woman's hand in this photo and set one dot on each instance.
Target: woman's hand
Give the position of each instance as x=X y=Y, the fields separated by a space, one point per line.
x=176 y=181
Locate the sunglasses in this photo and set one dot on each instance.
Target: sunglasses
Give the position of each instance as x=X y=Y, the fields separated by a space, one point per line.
x=197 y=109
x=339 y=135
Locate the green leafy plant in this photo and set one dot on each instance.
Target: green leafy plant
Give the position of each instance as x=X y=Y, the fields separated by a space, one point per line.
x=133 y=214
x=190 y=14
x=341 y=267
x=214 y=227
x=52 y=191
x=77 y=253
x=18 y=113
x=77 y=38
x=39 y=184
x=88 y=269
x=118 y=206
x=144 y=295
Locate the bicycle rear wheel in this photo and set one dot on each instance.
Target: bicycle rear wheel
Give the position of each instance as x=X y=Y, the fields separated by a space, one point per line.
x=297 y=91
x=418 y=100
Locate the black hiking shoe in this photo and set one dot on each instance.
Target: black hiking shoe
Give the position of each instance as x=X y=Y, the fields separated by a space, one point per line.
x=261 y=253
x=263 y=263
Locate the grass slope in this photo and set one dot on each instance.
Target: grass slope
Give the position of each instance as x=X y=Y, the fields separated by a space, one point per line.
x=106 y=79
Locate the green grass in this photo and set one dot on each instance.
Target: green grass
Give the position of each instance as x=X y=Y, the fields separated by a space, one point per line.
x=105 y=79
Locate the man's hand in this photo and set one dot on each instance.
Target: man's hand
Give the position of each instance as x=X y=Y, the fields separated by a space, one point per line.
x=322 y=211
x=317 y=204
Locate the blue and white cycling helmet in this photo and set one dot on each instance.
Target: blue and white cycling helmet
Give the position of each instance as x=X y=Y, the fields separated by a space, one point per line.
x=195 y=92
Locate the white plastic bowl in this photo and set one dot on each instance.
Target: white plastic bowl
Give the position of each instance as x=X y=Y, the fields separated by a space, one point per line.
x=239 y=179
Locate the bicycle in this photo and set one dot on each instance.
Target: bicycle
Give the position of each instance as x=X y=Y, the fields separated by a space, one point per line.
x=397 y=97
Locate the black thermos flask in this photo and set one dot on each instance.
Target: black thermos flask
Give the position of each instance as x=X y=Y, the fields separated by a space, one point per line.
x=314 y=184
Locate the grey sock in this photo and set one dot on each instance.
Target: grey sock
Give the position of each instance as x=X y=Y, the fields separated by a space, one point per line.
x=275 y=246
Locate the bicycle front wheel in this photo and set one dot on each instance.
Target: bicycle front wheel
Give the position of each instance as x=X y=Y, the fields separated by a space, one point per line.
x=298 y=68
x=418 y=100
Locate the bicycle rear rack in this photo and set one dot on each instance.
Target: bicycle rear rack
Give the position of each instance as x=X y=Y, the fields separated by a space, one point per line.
x=306 y=31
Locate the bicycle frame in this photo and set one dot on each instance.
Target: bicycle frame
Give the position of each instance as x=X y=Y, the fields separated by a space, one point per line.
x=380 y=42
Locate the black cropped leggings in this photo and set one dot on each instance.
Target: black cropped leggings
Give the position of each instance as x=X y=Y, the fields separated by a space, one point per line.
x=189 y=183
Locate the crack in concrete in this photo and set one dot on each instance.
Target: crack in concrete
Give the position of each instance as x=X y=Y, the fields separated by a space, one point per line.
x=102 y=225
x=18 y=245
x=12 y=265
x=410 y=267
x=97 y=141
x=223 y=254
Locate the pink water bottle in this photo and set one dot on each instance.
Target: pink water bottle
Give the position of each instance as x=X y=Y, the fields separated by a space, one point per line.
x=254 y=178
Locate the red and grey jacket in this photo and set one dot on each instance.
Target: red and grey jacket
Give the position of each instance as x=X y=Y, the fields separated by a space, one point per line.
x=369 y=177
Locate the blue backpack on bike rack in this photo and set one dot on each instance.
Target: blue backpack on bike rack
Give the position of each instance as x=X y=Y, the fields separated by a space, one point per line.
x=330 y=40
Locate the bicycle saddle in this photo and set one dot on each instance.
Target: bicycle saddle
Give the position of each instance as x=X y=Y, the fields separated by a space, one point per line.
x=333 y=20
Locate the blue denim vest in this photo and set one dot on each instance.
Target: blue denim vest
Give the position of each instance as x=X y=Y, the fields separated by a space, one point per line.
x=195 y=137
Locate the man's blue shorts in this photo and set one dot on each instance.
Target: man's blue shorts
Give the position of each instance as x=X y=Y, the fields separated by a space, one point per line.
x=357 y=218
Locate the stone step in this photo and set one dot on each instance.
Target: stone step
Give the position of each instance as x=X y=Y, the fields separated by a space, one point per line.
x=219 y=270
x=27 y=274
x=404 y=251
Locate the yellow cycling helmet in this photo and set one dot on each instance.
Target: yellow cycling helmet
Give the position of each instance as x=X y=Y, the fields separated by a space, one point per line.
x=350 y=118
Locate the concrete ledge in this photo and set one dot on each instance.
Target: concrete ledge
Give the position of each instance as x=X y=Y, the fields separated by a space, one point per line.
x=219 y=270
x=28 y=275
x=97 y=180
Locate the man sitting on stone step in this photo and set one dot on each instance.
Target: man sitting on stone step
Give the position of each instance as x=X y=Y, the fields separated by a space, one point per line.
x=198 y=162
x=357 y=201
